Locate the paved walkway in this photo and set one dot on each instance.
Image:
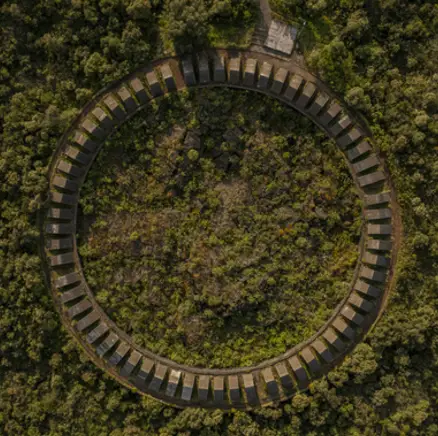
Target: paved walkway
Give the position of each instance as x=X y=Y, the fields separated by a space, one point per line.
x=262 y=27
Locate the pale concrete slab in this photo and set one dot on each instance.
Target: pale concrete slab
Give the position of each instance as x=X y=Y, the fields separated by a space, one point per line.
x=281 y=37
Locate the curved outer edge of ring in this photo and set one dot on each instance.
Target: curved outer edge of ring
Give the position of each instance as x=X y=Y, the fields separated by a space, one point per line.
x=269 y=381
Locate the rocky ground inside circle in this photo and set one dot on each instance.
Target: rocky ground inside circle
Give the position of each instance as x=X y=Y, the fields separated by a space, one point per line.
x=219 y=228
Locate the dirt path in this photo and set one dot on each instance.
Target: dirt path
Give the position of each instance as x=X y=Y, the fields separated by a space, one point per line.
x=261 y=30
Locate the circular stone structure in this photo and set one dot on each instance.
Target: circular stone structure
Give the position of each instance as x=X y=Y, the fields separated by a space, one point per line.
x=140 y=369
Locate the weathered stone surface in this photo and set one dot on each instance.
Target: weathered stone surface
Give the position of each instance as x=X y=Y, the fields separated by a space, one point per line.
x=294 y=85
x=360 y=303
x=59 y=229
x=72 y=294
x=367 y=289
x=83 y=141
x=166 y=73
x=70 y=169
x=188 y=386
x=130 y=364
x=219 y=73
x=146 y=370
x=154 y=84
x=334 y=340
x=93 y=129
x=330 y=114
x=371 y=179
x=318 y=104
x=97 y=333
x=309 y=91
x=378 y=214
x=188 y=72
x=68 y=279
x=379 y=229
x=349 y=138
x=218 y=389
x=250 y=72
x=341 y=326
x=355 y=317
x=60 y=214
x=271 y=383
x=120 y=352
x=233 y=388
x=311 y=360
x=265 y=75
x=61 y=259
x=103 y=119
x=66 y=184
x=127 y=99
x=377 y=199
x=285 y=378
x=204 y=70
x=61 y=198
x=371 y=274
x=299 y=371
x=172 y=383
x=322 y=351
x=377 y=260
x=79 y=308
x=115 y=108
x=203 y=387
x=366 y=164
x=87 y=321
x=250 y=389
x=340 y=126
x=78 y=156
x=359 y=150
x=139 y=91
x=109 y=342
x=379 y=245
x=279 y=80
x=59 y=243
x=234 y=73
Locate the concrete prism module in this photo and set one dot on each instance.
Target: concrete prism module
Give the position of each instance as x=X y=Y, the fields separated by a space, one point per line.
x=119 y=353
x=188 y=72
x=104 y=120
x=219 y=68
x=154 y=84
x=271 y=383
x=204 y=70
x=250 y=72
x=265 y=75
x=72 y=294
x=139 y=90
x=279 y=80
x=233 y=388
x=188 y=387
x=235 y=64
x=127 y=99
x=169 y=80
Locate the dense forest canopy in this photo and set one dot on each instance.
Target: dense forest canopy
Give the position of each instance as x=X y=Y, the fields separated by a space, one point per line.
x=381 y=55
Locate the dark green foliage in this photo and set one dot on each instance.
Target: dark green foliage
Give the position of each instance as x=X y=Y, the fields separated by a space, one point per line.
x=192 y=22
x=53 y=56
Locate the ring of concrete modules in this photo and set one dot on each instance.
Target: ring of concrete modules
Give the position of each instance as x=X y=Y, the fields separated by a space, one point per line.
x=111 y=348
